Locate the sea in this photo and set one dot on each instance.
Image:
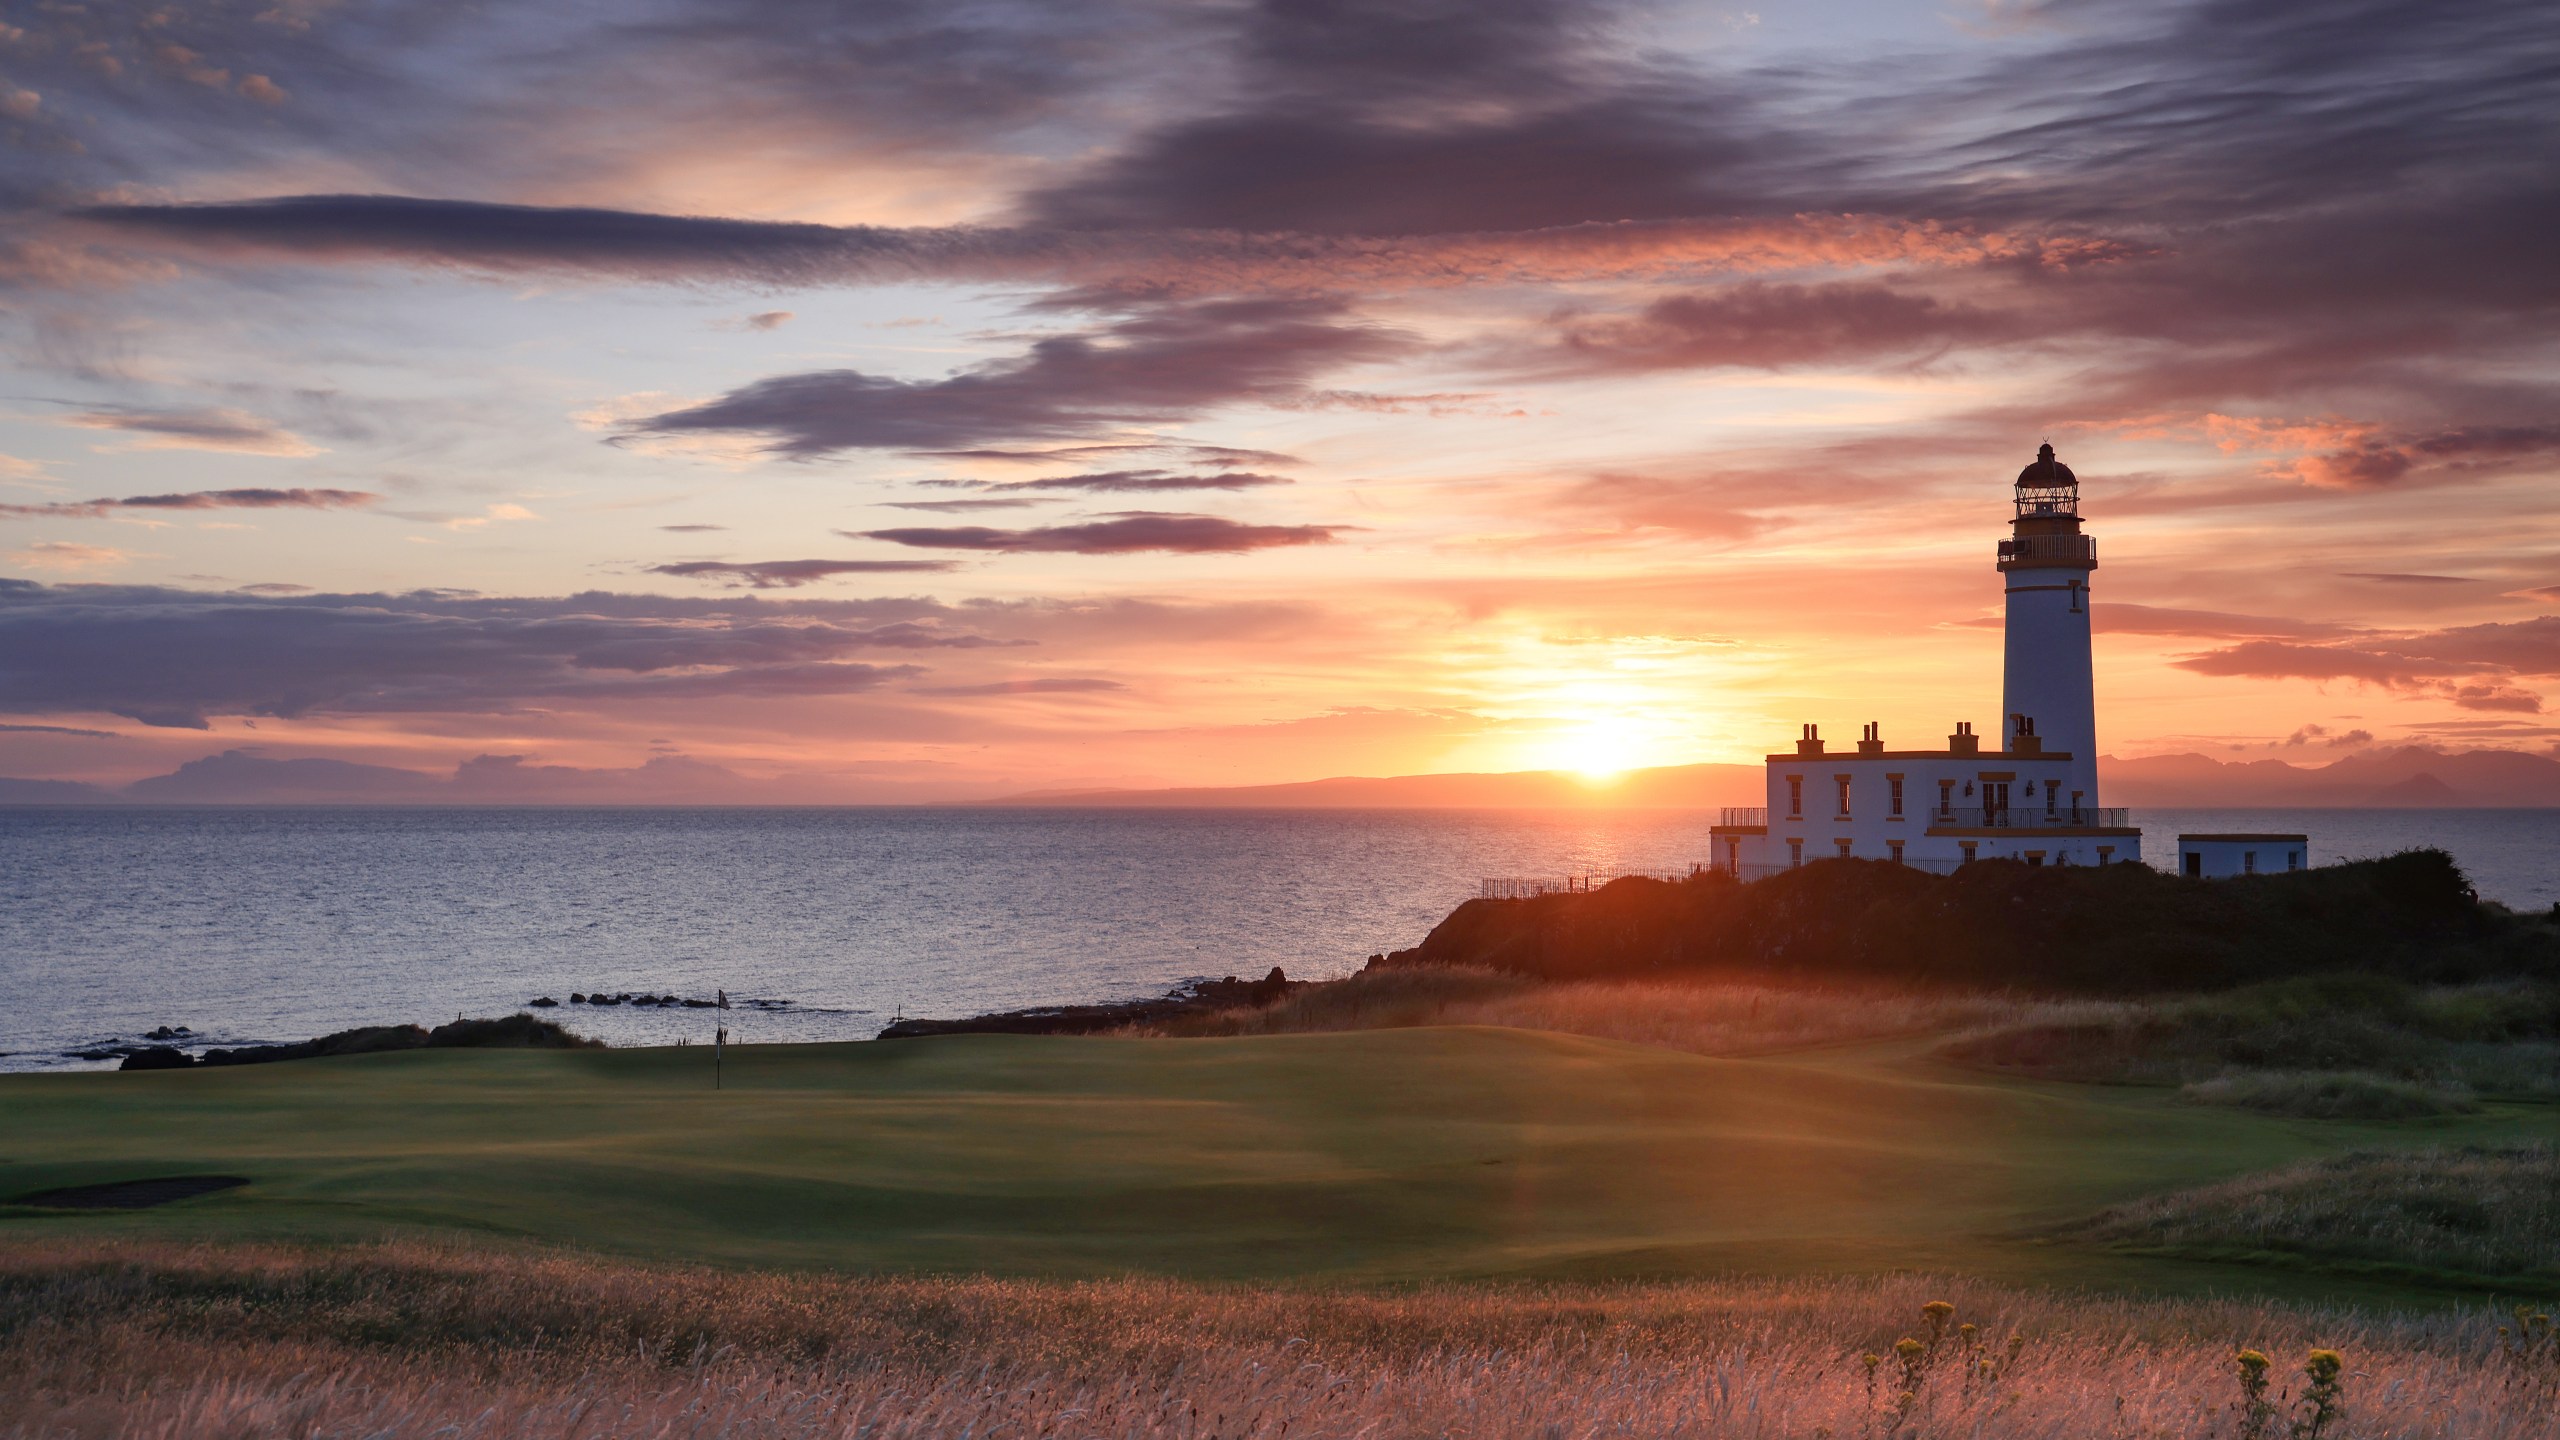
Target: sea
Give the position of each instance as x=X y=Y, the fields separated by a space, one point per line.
x=257 y=925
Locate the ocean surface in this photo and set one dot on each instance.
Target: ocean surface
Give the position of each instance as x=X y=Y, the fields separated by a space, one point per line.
x=255 y=925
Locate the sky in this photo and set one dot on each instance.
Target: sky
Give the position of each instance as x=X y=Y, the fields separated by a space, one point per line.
x=912 y=401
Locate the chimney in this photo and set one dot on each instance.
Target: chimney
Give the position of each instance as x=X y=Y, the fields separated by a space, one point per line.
x=2023 y=739
x=1811 y=743
x=1871 y=740
x=1964 y=741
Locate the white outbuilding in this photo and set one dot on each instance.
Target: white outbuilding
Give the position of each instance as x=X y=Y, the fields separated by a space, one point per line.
x=2219 y=857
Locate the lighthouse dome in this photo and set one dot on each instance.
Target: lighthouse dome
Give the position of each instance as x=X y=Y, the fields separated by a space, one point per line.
x=2046 y=472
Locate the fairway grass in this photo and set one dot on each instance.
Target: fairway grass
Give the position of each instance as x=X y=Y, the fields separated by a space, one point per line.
x=1359 y=1157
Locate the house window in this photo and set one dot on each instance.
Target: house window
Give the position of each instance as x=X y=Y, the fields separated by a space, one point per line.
x=1893 y=850
x=2048 y=800
x=2106 y=853
x=1946 y=798
x=1795 y=851
x=1896 y=799
x=2293 y=859
x=2248 y=862
x=1843 y=782
x=1795 y=796
x=1968 y=847
x=1844 y=848
x=1995 y=801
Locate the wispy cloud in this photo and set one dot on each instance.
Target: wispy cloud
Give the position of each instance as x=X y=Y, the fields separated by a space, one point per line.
x=1120 y=535
x=247 y=499
x=230 y=430
x=792 y=574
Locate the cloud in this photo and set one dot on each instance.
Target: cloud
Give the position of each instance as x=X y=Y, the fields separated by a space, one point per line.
x=227 y=430
x=1166 y=363
x=2390 y=578
x=176 y=658
x=1758 y=325
x=249 y=499
x=2305 y=734
x=61 y=730
x=1052 y=685
x=691 y=529
x=951 y=507
x=2121 y=617
x=70 y=555
x=1123 y=534
x=2472 y=666
x=1137 y=481
x=768 y=319
x=792 y=574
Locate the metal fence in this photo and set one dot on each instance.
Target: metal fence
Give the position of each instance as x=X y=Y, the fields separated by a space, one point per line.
x=1517 y=887
x=1745 y=815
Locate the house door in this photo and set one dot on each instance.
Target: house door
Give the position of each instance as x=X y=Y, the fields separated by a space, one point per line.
x=1995 y=801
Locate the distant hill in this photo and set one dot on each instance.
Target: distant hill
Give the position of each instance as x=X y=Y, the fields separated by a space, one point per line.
x=2409 y=777
x=1680 y=787
x=2404 y=777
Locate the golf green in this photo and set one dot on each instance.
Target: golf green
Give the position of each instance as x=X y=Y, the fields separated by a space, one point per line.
x=1372 y=1155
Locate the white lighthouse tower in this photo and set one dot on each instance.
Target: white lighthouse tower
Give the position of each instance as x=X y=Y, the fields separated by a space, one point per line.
x=2048 y=697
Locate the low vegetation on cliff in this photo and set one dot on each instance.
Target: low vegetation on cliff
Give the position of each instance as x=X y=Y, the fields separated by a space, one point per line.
x=2120 y=929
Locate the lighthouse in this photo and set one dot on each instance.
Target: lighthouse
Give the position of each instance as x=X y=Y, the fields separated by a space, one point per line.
x=2048 y=698
x=2025 y=791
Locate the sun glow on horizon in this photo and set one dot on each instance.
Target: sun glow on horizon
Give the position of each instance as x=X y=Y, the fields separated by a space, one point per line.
x=1601 y=748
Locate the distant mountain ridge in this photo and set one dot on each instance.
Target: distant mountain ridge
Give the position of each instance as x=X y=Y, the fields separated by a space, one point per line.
x=2402 y=777
x=2409 y=777
x=1664 y=787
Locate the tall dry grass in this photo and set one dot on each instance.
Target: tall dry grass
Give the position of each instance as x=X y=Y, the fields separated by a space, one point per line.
x=102 y=1340
x=1711 y=1018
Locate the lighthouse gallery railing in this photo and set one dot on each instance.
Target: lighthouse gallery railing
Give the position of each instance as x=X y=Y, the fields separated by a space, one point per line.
x=2028 y=817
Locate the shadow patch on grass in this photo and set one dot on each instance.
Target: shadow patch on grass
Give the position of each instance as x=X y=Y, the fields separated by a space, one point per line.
x=130 y=1194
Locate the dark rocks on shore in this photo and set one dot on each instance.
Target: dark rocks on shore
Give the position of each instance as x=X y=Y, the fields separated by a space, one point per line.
x=1192 y=998
x=505 y=1032
x=170 y=1032
x=544 y=1002
x=157 y=1057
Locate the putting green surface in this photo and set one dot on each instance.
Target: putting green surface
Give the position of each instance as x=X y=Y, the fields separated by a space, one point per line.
x=1373 y=1155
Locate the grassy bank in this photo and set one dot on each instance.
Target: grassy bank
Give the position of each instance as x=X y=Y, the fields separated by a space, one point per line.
x=1382 y=1155
x=2112 y=930
x=413 y=1341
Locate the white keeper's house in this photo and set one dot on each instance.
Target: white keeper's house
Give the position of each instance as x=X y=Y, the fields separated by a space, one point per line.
x=2030 y=794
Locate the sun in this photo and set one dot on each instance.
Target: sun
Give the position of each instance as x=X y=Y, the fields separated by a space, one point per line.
x=1600 y=748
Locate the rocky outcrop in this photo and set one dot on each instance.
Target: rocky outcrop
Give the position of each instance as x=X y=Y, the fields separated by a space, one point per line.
x=1195 y=997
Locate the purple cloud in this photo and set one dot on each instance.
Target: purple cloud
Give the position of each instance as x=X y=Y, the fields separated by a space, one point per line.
x=1121 y=535
x=792 y=574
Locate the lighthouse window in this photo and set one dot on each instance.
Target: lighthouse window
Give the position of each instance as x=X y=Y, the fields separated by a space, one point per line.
x=1844 y=848
x=1843 y=782
x=1896 y=782
x=1946 y=798
x=1894 y=849
x=1795 y=850
x=1795 y=795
